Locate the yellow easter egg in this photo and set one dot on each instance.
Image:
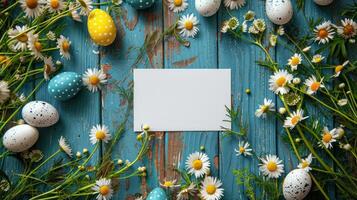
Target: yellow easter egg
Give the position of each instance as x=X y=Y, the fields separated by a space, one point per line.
x=101 y=27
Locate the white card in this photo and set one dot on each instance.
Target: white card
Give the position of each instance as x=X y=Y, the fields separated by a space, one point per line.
x=182 y=99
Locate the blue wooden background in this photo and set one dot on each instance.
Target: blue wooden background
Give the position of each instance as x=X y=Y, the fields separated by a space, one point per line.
x=210 y=49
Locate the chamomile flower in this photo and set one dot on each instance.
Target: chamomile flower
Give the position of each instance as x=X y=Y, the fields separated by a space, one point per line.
x=74 y=13
x=99 y=133
x=94 y=79
x=339 y=68
x=211 y=189
x=313 y=85
x=317 y=58
x=271 y=166
x=198 y=164
x=86 y=6
x=177 y=5
x=294 y=61
x=348 y=28
x=273 y=39
x=35 y=46
x=20 y=36
x=233 y=23
x=244 y=26
x=328 y=137
x=234 y=4
x=224 y=27
x=278 y=82
x=103 y=188
x=48 y=67
x=280 y=31
x=64 y=146
x=64 y=46
x=169 y=184
x=249 y=16
x=186 y=193
x=267 y=106
x=243 y=149
x=253 y=30
x=294 y=119
x=324 y=32
x=305 y=163
x=259 y=24
x=188 y=25
x=4 y=92
x=55 y=6
x=32 y=8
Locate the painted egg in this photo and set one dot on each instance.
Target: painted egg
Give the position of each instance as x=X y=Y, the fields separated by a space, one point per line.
x=296 y=185
x=323 y=2
x=40 y=114
x=101 y=27
x=141 y=4
x=279 y=11
x=207 y=7
x=65 y=85
x=157 y=194
x=20 y=138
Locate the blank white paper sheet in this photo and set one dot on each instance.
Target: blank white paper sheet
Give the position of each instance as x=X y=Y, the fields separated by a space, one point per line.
x=182 y=99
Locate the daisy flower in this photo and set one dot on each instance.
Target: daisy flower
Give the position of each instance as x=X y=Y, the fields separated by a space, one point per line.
x=244 y=27
x=259 y=24
x=188 y=25
x=243 y=148
x=234 y=4
x=4 y=92
x=94 y=78
x=211 y=189
x=186 y=193
x=86 y=6
x=317 y=58
x=273 y=39
x=198 y=164
x=294 y=61
x=55 y=6
x=267 y=106
x=328 y=137
x=253 y=30
x=305 y=163
x=224 y=27
x=233 y=23
x=324 y=32
x=35 y=46
x=20 y=38
x=74 y=14
x=280 y=31
x=64 y=146
x=279 y=80
x=271 y=166
x=177 y=5
x=64 y=45
x=339 y=68
x=48 y=67
x=32 y=8
x=169 y=184
x=99 y=133
x=294 y=119
x=249 y=16
x=313 y=85
x=348 y=28
x=103 y=188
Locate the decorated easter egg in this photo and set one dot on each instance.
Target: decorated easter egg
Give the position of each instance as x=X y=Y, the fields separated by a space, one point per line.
x=207 y=7
x=296 y=185
x=157 y=194
x=101 y=27
x=279 y=11
x=40 y=114
x=323 y=2
x=20 y=138
x=141 y=4
x=65 y=85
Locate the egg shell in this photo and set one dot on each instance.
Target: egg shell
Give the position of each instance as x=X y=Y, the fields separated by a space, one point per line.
x=207 y=8
x=40 y=114
x=296 y=185
x=65 y=85
x=20 y=138
x=157 y=194
x=323 y=2
x=279 y=11
x=141 y=4
x=101 y=27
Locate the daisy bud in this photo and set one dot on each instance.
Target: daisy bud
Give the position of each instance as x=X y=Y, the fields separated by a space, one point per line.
x=247 y=91
x=139 y=137
x=146 y=127
x=352 y=41
x=127 y=162
x=296 y=81
x=297 y=140
x=85 y=150
x=120 y=162
x=58 y=62
x=347 y=147
x=81 y=167
x=341 y=85
x=282 y=110
x=202 y=148
x=20 y=121
x=143 y=174
x=306 y=49
x=78 y=154
x=87 y=177
x=340 y=132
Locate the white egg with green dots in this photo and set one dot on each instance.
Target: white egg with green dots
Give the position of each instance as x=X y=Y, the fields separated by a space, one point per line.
x=65 y=85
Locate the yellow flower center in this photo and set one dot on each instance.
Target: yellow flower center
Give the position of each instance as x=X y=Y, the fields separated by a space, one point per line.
x=54 y=4
x=338 y=68
x=94 y=80
x=272 y=166
x=104 y=190
x=241 y=149
x=211 y=189
x=188 y=25
x=315 y=86
x=168 y=183
x=327 y=137
x=317 y=59
x=65 y=46
x=197 y=164
x=177 y=2
x=22 y=37
x=304 y=164
x=295 y=61
x=2 y=58
x=264 y=108
x=295 y=120
x=31 y=4
x=100 y=135
x=348 y=29
x=322 y=33
x=38 y=46
x=280 y=81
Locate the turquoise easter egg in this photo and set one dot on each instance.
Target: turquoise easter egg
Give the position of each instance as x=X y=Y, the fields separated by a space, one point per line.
x=157 y=194
x=65 y=85
x=141 y=4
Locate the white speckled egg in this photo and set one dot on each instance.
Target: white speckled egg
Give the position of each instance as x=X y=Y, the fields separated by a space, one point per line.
x=20 y=138
x=279 y=11
x=40 y=114
x=296 y=185
x=323 y=2
x=207 y=7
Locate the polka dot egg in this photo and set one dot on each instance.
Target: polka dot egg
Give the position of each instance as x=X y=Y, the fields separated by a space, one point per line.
x=20 y=138
x=157 y=194
x=65 y=85
x=296 y=185
x=40 y=114
x=101 y=27
x=141 y=4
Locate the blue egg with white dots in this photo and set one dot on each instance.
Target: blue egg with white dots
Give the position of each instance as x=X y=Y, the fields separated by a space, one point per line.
x=157 y=194
x=65 y=85
x=140 y=4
